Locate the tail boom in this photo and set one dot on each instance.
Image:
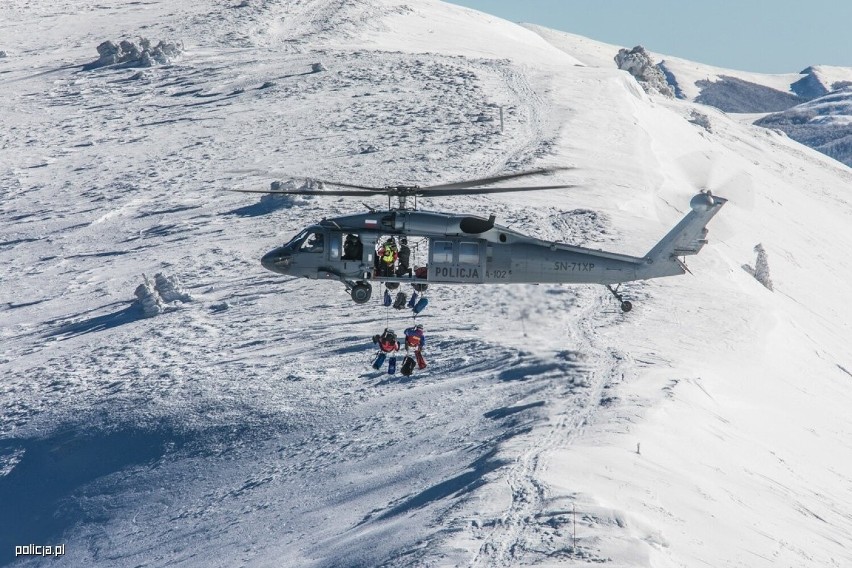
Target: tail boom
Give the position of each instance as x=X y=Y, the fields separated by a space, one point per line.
x=686 y=238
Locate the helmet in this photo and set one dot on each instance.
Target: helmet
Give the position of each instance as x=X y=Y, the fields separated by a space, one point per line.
x=389 y=241
x=419 y=326
x=403 y=240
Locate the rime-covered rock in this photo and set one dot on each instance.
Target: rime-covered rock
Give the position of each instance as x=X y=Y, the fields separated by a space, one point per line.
x=701 y=119
x=109 y=54
x=638 y=63
x=148 y=299
x=275 y=201
x=131 y=54
x=170 y=289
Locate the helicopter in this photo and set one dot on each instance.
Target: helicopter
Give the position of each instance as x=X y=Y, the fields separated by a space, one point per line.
x=469 y=249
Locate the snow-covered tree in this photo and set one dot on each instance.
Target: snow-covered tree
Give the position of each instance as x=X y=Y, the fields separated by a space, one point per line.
x=761 y=267
x=760 y=270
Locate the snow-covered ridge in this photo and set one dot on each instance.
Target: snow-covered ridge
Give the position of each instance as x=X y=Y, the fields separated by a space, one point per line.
x=709 y=426
x=790 y=94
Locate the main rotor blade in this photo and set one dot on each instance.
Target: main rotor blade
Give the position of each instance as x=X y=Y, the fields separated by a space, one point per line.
x=494 y=179
x=317 y=192
x=436 y=191
x=283 y=175
x=403 y=191
x=349 y=185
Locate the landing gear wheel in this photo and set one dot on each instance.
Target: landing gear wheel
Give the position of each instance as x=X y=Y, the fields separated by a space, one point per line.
x=420 y=287
x=392 y=285
x=626 y=305
x=361 y=292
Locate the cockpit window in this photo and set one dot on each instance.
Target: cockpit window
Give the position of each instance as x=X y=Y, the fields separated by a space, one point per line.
x=296 y=241
x=313 y=243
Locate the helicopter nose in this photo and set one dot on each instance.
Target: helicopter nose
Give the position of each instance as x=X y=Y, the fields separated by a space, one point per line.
x=276 y=260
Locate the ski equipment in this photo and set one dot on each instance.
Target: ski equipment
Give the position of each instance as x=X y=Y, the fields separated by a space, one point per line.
x=379 y=361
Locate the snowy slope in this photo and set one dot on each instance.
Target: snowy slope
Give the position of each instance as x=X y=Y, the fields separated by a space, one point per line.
x=245 y=427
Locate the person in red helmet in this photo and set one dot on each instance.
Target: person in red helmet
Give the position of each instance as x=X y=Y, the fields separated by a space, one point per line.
x=415 y=338
x=387 y=341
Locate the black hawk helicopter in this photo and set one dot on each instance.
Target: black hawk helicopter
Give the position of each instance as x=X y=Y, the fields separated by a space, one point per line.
x=467 y=249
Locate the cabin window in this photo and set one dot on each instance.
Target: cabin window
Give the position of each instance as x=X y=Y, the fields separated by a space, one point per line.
x=468 y=253
x=313 y=243
x=442 y=252
x=334 y=246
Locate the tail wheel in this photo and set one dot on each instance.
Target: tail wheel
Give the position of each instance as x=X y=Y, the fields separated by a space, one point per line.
x=626 y=306
x=361 y=292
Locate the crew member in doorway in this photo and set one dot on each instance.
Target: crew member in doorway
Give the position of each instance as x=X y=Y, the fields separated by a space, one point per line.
x=353 y=248
x=387 y=257
x=404 y=257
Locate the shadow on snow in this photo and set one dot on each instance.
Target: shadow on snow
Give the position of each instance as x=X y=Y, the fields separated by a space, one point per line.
x=456 y=486
x=37 y=493
x=97 y=323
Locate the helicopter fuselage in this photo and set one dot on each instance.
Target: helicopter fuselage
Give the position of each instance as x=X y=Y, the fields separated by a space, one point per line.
x=464 y=249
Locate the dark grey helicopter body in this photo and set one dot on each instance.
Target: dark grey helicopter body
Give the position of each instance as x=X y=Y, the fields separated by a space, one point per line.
x=465 y=249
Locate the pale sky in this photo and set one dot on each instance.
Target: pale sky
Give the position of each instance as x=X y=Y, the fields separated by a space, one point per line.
x=768 y=36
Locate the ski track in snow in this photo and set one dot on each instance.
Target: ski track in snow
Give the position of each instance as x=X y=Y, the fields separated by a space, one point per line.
x=516 y=537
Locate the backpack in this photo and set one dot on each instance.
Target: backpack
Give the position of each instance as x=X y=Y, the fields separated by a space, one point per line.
x=408 y=365
x=399 y=303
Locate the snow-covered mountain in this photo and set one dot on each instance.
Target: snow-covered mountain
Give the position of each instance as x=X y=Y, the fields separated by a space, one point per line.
x=243 y=425
x=814 y=107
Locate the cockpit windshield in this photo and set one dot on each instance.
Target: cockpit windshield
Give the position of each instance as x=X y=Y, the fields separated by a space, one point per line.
x=313 y=243
x=297 y=240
